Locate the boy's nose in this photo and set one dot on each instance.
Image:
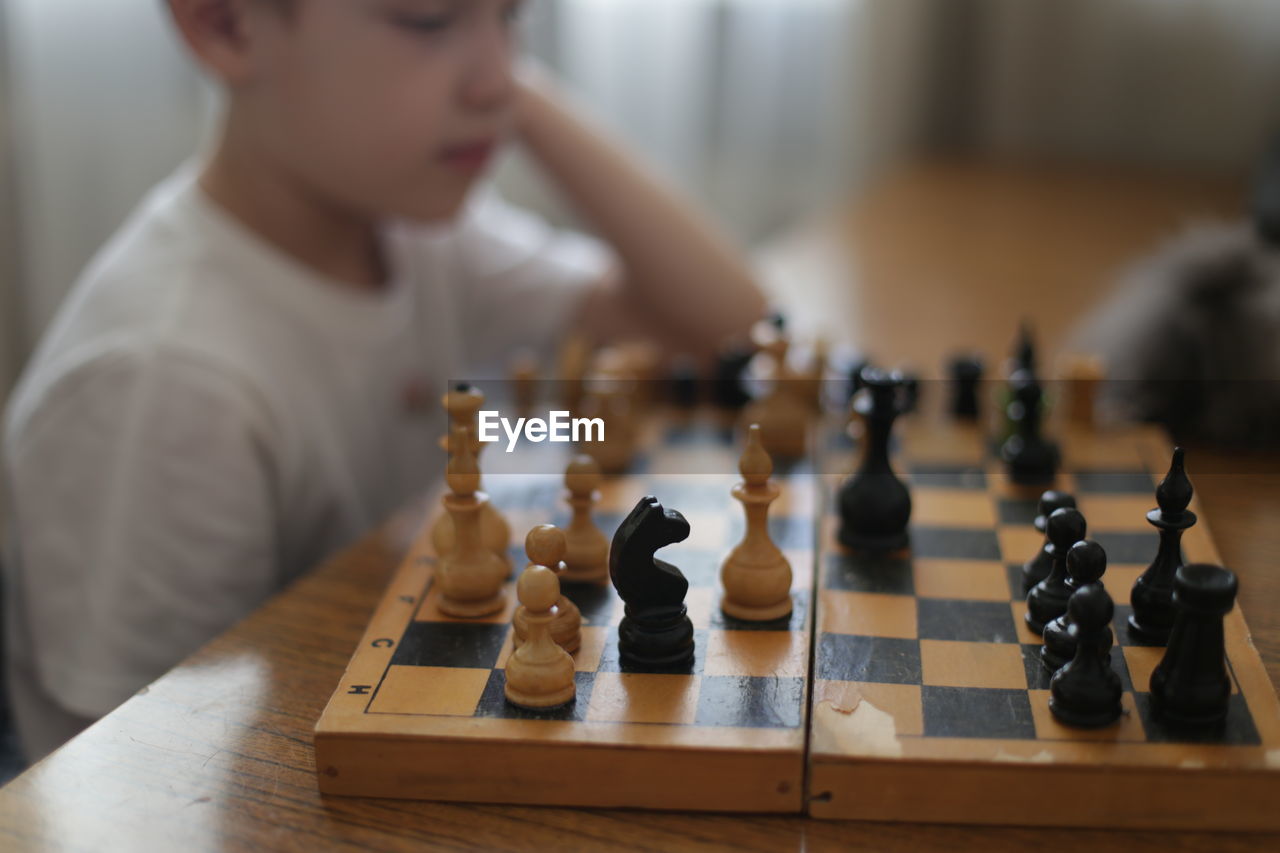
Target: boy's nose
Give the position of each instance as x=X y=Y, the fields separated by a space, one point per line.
x=489 y=82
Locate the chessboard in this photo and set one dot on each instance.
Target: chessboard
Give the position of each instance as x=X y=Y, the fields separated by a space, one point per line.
x=420 y=711
x=930 y=703
x=900 y=688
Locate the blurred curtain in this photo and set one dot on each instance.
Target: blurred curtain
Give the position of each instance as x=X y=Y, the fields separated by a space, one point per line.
x=747 y=105
x=103 y=106
x=1189 y=83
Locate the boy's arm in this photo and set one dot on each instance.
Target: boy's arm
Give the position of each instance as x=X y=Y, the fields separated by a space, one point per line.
x=679 y=281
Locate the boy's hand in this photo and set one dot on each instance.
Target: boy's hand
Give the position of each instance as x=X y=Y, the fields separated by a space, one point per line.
x=679 y=281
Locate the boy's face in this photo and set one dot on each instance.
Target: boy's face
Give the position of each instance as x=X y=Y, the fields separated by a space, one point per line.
x=386 y=107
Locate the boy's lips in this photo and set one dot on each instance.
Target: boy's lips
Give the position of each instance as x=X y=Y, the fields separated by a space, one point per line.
x=469 y=156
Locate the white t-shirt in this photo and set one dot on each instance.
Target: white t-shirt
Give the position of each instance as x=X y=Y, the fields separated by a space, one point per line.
x=206 y=419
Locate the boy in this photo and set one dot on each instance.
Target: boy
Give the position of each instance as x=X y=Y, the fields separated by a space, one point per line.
x=236 y=387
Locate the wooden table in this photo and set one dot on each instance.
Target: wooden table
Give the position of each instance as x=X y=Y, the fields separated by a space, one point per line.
x=217 y=754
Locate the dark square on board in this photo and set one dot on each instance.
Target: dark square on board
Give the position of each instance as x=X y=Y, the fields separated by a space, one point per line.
x=473 y=645
x=965 y=621
x=955 y=543
x=869 y=573
x=979 y=712
x=886 y=660
x=749 y=701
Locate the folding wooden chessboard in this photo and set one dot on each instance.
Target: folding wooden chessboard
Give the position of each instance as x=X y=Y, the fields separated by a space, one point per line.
x=930 y=701
x=918 y=695
x=420 y=711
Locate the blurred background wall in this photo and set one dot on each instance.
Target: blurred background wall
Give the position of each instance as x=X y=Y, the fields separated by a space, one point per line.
x=766 y=111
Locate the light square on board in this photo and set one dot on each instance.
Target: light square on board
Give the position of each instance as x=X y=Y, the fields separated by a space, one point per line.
x=643 y=697
x=1019 y=543
x=869 y=614
x=1118 y=512
x=952 y=508
x=957 y=664
x=1119 y=581
x=450 y=691
x=900 y=701
x=981 y=580
x=430 y=611
x=764 y=654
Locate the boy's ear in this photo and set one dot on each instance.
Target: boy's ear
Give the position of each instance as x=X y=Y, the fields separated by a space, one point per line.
x=218 y=33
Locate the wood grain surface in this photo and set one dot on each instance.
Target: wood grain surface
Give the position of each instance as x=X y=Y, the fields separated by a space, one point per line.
x=217 y=754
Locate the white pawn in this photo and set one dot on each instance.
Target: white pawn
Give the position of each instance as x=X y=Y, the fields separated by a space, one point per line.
x=463 y=403
x=586 y=558
x=545 y=546
x=539 y=674
x=756 y=575
x=783 y=414
x=471 y=576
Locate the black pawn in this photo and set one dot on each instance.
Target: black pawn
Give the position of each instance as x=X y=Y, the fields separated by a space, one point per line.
x=1190 y=686
x=1086 y=563
x=727 y=389
x=1048 y=599
x=1030 y=459
x=875 y=506
x=655 y=631
x=1086 y=692
x=966 y=373
x=685 y=383
x=1152 y=595
x=1024 y=351
x=910 y=393
x=855 y=377
x=1037 y=568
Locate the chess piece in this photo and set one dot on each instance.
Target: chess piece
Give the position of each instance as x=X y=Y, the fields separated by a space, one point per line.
x=539 y=674
x=1086 y=692
x=727 y=389
x=587 y=554
x=1086 y=563
x=1023 y=358
x=811 y=380
x=783 y=413
x=1083 y=374
x=855 y=377
x=571 y=371
x=1030 y=459
x=655 y=631
x=966 y=373
x=609 y=402
x=875 y=506
x=524 y=383
x=545 y=546
x=1037 y=568
x=756 y=575
x=1190 y=686
x=685 y=383
x=463 y=403
x=1152 y=595
x=470 y=576
x=910 y=392
x=1047 y=600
